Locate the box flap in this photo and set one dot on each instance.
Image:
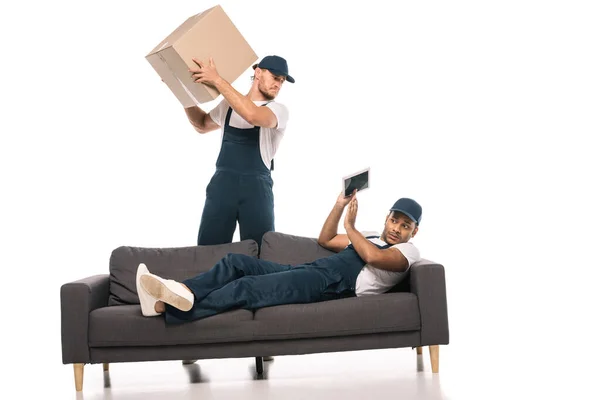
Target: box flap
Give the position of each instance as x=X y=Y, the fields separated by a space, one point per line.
x=161 y=66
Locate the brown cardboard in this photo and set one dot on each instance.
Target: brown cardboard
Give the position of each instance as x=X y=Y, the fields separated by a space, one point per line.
x=207 y=34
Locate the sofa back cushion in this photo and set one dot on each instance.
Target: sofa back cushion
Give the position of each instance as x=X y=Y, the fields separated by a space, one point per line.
x=286 y=249
x=177 y=263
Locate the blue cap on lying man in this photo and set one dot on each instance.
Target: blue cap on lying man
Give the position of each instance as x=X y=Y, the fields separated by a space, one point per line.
x=277 y=65
x=410 y=208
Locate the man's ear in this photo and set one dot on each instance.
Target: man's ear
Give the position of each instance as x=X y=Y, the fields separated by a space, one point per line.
x=415 y=231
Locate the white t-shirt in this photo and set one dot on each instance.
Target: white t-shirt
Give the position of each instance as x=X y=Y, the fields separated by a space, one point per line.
x=371 y=280
x=269 y=137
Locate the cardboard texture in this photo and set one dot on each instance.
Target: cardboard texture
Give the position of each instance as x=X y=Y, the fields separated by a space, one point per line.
x=207 y=34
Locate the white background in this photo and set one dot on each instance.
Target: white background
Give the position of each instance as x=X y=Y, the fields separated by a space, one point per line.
x=487 y=113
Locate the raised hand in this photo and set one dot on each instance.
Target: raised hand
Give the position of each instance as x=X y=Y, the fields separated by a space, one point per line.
x=351 y=213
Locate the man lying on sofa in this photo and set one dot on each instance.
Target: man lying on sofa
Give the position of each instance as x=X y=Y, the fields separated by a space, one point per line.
x=363 y=265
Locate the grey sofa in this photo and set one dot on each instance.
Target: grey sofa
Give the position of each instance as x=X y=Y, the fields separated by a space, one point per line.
x=101 y=321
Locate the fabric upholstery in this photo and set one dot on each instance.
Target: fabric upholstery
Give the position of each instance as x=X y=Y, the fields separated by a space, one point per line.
x=125 y=326
x=252 y=349
x=390 y=312
x=77 y=300
x=428 y=283
x=290 y=249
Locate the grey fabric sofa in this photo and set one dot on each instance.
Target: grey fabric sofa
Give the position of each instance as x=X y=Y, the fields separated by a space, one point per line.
x=101 y=321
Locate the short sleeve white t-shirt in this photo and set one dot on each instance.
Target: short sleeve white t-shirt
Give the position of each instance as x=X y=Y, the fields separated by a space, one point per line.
x=269 y=137
x=371 y=280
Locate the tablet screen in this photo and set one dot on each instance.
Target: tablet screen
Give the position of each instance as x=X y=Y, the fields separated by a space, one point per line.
x=358 y=181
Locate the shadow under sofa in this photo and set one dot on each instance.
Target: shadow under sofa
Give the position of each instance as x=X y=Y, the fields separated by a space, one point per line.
x=101 y=320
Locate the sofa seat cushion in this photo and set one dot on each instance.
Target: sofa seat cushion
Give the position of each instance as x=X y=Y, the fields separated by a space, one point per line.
x=177 y=263
x=125 y=326
x=389 y=312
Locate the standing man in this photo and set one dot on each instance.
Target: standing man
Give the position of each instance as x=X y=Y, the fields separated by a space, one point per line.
x=241 y=189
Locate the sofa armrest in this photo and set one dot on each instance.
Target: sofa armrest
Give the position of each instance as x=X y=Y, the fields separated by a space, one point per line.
x=77 y=300
x=428 y=283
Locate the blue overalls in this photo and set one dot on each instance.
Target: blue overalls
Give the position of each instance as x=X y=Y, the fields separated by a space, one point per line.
x=242 y=281
x=241 y=189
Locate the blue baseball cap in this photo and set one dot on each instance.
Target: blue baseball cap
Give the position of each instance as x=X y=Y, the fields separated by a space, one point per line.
x=277 y=65
x=411 y=208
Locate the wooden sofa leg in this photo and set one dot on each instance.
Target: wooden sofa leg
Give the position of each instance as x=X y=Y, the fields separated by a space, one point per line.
x=434 y=355
x=419 y=350
x=78 y=370
x=105 y=367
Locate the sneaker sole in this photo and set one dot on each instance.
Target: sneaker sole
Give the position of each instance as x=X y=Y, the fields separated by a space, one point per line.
x=146 y=301
x=162 y=293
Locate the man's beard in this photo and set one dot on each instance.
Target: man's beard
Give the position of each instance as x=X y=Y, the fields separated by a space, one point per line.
x=266 y=94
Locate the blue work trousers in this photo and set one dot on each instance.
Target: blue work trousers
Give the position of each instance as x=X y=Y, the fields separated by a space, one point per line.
x=241 y=281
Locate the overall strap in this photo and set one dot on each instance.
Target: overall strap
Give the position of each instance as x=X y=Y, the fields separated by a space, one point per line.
x=366 y=237
x=228 y=117
x=386 y=246
x=229 y=110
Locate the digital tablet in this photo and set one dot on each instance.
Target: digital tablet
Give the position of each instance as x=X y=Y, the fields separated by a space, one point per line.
x=358 y=181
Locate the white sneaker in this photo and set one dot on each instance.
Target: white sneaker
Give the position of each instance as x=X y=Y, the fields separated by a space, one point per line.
x=168 y=291
x=147 y=302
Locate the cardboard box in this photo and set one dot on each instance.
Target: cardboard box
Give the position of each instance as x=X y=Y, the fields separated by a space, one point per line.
x=208 y=34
